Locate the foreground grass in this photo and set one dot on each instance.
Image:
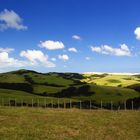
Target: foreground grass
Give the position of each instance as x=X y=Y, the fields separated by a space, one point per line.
x=55 y=124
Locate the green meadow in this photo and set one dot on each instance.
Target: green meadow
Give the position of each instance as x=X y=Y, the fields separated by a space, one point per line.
x=68 y=124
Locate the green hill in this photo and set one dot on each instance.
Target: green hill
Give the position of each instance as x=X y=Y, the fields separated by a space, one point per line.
x=28 y=85
x=111 y=80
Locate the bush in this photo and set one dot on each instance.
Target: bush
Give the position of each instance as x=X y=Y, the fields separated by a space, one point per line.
x=17 y=86
x=135 y=87
x=73 y=91
x=136 y=103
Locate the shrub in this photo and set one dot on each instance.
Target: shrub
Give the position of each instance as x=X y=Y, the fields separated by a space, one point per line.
x=17 y=86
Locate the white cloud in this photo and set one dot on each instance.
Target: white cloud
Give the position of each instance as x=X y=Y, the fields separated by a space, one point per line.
x=51 y=45
x=72 y=50
x=34 y=58
x=76 y=37
x=53 y=59
x=63 y=57
x=10 y=19
x=87 y=58
x=34 y=55
x=6 y=61
x=96 y=49
x=37 y=57
x=137 y=33
x=6 y=50
x=108 y=50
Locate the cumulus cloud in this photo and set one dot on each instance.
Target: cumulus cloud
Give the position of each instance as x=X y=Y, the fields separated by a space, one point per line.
x=123 y=50
x=6 y=61
x=72 y=50
x=34 y=55
x=10 y=19
x=6 y=50
x=137 y=33
x=63 y=57
x=34 y=58
x=76 y=37
x=51 y=45
x=37 y=57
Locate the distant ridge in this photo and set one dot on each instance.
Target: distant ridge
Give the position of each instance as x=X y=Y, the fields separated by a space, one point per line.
x=113 y=73
x=23 y=71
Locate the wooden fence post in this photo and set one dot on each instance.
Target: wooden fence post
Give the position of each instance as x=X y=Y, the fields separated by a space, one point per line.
x=64 y=104
x=2 y=102
x=32 y=102
x=9 y=102
x=111 y=105
x=101 y=105
x=80 y=104
x=22 y=102
x=26 y=103
x=132 y=105
x=15 y=102
x=58 y=103
x=70 y=104
x=90 y=104
x=37 y=102
x=124 y=105
x=52 y=103
x=45 y=102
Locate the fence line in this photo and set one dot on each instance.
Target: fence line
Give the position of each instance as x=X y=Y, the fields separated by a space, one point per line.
x=82 y=104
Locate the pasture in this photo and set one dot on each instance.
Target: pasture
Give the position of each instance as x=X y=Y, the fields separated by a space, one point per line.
x=68 y=124
x=111 y=80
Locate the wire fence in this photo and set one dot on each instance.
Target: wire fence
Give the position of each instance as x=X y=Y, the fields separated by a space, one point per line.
x=69 y=103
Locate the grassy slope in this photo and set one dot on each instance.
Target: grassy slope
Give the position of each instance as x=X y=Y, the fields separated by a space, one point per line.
x=51 y=79
x=104 y=93
x=107 y=94
x=48 y=89
x=112 y=80
x=49 y=124
x=39 y=80
x=11 y=78
x=21 y=96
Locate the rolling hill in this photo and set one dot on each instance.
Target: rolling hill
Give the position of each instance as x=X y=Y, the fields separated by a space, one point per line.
x=27 y=85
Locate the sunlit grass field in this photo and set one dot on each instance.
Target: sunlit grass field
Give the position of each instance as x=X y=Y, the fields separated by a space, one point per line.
x=68 y=124
x=112 y=80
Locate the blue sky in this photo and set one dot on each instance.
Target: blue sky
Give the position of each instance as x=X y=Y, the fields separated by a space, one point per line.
x=70 y=35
